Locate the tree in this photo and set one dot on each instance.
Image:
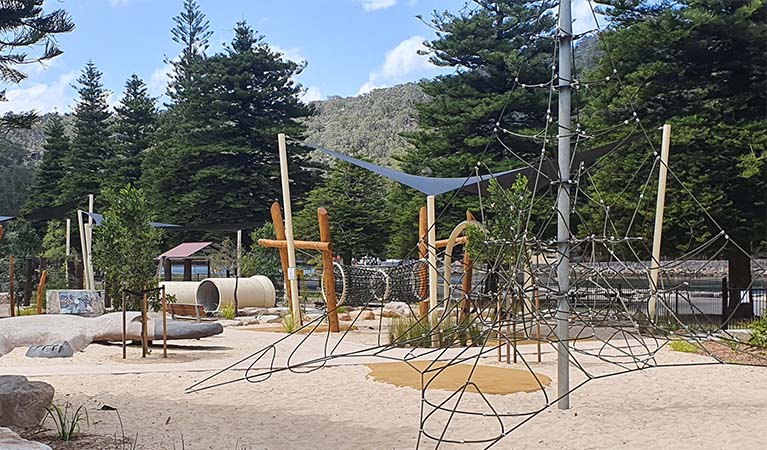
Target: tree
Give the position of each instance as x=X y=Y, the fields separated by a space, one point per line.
x=16 y=174
x=354 y=199
x=132 y=132
x=192 y=31
x=25 y=26
x=493 y=47
x=51 y=171
x=699 y=65
x=224 y=166
x=126 y=244
x=260 y=260
x=90 y=148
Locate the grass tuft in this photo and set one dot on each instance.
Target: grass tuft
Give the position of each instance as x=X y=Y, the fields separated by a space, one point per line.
x=67 y=420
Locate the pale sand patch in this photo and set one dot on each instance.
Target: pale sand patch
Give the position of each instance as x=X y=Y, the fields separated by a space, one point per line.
x=685 y=408
x=489 y=379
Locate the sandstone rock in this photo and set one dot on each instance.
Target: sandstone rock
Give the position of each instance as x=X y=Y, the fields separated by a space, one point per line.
x=12 y=441
x=366 y=315
x=396 y=309
x=279 y=311
x=345 y=316
x=229 y=323
x=247 y=320
x=23 y=403
x=390 y=313
x=270 y=319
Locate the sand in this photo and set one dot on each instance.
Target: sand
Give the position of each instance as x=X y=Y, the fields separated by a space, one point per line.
x=343 y=407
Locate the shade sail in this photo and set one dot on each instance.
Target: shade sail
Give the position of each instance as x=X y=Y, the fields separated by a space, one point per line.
x=98 y=218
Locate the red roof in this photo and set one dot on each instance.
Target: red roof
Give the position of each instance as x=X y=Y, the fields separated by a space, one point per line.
x=185 y=250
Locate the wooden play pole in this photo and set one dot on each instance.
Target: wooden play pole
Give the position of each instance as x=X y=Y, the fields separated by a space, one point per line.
x=327 y=271
x=125 y=328
x=423 y=275
x=658 y=232
x=468 y=273
x=68 y=249
x=294 y=300
x=11 y=292
x=41 y=291
x=164 y=324
x=431 y=212
x=303 y=245
x=279 y=233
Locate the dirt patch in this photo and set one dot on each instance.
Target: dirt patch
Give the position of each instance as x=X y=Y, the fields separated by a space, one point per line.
x=440 y=376
x=740 y=354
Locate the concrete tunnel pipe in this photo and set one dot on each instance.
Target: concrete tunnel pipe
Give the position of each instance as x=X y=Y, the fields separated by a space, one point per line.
x=256 y=291
x=184 y=291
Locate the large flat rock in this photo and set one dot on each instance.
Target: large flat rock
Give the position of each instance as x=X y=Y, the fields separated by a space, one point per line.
x=12 y=441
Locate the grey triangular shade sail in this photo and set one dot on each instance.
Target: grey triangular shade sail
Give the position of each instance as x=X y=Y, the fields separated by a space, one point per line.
x=98 y=218
x=436 y=186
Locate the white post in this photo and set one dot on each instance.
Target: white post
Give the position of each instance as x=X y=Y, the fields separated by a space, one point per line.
x=239 y=252
x=563 y=204
x=68 y=251
x=658 y=233
x=294 y=301
x=89 y=243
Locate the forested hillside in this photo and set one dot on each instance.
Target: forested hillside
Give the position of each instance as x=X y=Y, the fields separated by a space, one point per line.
x=369 y=124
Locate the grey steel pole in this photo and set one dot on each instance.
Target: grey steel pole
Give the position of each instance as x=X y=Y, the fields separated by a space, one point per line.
x=563 y=206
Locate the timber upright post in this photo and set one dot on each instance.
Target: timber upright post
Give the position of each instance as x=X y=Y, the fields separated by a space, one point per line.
x=658 y=231
x=164 y=323
x=279 y=234
x=294 y=300
x=11 y=291
x=563 y=205
x=327 y=272
x=431 y=211
x=144 y=339
x=423 y=306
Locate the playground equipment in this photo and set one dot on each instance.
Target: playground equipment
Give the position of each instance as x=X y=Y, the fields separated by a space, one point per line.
x=185 y=292
x=216 y=293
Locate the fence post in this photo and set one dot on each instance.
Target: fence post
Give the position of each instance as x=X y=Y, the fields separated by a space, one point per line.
x=725 y=301
x=28 y=280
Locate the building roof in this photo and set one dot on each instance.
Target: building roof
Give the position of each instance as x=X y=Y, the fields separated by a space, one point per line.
x=187 y=250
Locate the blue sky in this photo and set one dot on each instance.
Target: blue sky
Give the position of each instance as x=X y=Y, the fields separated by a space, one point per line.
x=351 y=46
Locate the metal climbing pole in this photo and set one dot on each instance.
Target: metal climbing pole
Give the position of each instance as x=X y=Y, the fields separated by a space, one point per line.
x=563 y=205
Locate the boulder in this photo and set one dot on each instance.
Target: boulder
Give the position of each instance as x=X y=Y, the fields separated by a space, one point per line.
x=12 y=441
x=345 y=317
x=270 y=319
x=396 y=309
x=23 y=403
x=366 y=315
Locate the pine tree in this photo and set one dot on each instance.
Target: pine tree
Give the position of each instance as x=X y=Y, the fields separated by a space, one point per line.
x=90 y=148
x=224 y=166
x=700 y=66
x=192 y=31
x=51 y=171
x=494 y=48
x=132 y=132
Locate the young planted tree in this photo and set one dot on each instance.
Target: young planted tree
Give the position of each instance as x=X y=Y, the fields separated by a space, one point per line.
x=52 y=169
x=355 y=200
x=90 y=148
x=126 y=244
x=132 y=132
x=260 y=260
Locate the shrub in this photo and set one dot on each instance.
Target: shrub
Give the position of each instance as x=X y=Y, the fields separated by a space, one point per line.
x=758 y=332
x=228 y=312
x=684 y=347
x=412 y=332
x=289 y=324
x=67 y=420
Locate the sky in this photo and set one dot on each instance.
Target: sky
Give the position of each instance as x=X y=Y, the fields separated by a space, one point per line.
x=351 y=46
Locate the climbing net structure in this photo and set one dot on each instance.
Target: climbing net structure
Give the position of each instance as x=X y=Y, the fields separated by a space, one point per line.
x=622 y=308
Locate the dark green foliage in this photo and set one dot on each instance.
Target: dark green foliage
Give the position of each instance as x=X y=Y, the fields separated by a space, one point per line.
x=216 y=159
x=263 y=261
x=700 y=66
x=52 y=168
x=16 y=175
x=126 y=245
x=354 y=199
x=192 y=31
x=90 y=148
x=25 y=25
x=132 y=132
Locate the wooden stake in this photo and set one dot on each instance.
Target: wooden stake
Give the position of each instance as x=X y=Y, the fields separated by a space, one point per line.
x=658 y=231
x=327 y=271
x=164 y=324
x=41 y=291
x=468 y=273
x=538 y=322
x=279 y=233
x=125 y=328
x=431 y=209
x=144 y=339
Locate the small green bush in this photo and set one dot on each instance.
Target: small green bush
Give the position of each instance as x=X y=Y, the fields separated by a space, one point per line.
x=289 y=324
x=228 y=312
x=68 y=419
x=342 y=309
x=758 y=333
x=28 y=311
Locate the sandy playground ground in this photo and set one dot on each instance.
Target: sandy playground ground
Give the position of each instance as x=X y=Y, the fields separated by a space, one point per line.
x=342 y=407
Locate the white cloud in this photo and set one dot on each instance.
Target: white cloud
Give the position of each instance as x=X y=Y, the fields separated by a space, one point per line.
x=159 y=79
x=402 y=63
x=311 y=94
x=583 y=17
x=41 y=97
x=373 y=5
x=118 y=2
x=292 y=54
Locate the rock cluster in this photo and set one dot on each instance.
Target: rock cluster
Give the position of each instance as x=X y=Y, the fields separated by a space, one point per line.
x=23 y=403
